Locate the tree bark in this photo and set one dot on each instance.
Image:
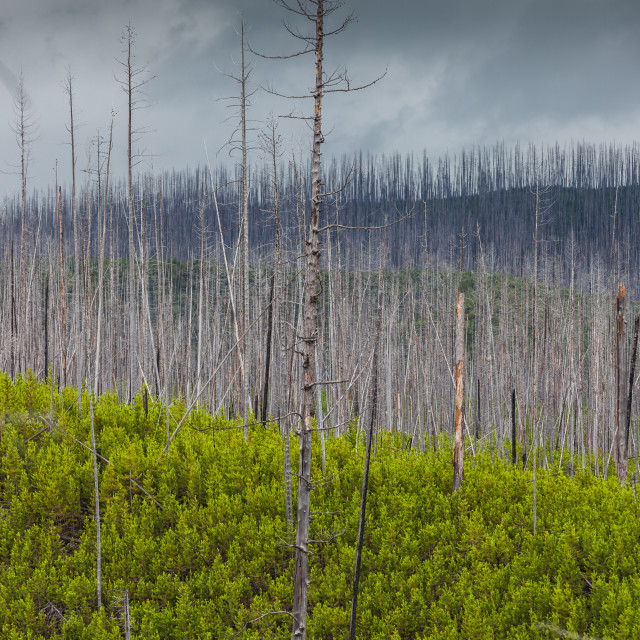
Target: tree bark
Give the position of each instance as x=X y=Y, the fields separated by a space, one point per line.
x=63 y=303
x=632 y=374
x=514 y=450
x=458 y=451
x=620 y=386
x=309 y=340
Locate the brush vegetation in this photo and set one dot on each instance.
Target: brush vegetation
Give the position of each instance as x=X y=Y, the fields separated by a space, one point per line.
x=199 y=540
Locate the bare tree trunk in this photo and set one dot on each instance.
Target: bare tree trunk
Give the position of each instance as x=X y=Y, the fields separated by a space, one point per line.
x=96 y=488
x=101 y=241
x=367 y=459
x=458 y=451
x=23 y=128
x=514 y=450
x=620 y=387
x=309 y=341
x=127 y=619
x=534 y=360
x=201 y=299
x=132 y=83
x=77 y=315
x=133 y=352
x=632 y=373
x=288 y=500
x=46 y=326
x=267 y=364
x=63 y=303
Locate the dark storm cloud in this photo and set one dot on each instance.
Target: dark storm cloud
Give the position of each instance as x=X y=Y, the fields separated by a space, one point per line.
x=561 y=60
x=460 y=73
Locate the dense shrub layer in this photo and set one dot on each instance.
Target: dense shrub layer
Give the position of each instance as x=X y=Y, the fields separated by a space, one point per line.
x=205 y=549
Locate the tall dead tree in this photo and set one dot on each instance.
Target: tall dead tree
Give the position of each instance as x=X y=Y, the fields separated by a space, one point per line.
x=270 y=144
x=24 y=128
x=77 y=314
x=63 y=300
x=315 y=12
x=134 y=78
x=102 y=234
x=539 y=219
x=244 y=76
x=238 y=142
x=310 y=334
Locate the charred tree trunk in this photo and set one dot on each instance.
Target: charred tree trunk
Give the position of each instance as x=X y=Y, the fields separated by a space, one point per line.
x=365 y=477
x=632 y=374
x=620 y=386
x=309 y=340
x=267 y=364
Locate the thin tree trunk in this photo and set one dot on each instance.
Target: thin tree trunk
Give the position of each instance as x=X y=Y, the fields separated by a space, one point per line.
x=365 y=476
x=63 y=303
x=267 y=364
x=514 y=450
x=288 y=499
x=201 y=299
x=620 y=387
x=96 y=488
x=458 y=451
x=632 y=373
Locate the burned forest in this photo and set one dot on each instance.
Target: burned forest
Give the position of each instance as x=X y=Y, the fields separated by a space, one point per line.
x=293 y=393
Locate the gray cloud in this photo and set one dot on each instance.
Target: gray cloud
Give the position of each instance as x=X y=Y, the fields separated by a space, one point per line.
x=7 y=78
x=460 y=73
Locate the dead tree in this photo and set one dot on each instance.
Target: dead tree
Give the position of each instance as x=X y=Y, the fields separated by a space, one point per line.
x=134 y=79
x=367 y=460
x=63 y=301
x=25 y=129
x=458 y=451
x=239 y=142
x=621 y=439
x=270 y=144
x=315 y=12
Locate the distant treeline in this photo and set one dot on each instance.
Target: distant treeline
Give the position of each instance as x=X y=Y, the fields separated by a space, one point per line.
x=476 y=202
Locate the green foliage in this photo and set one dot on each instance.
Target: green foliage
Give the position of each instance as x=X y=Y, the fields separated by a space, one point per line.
x=199 y=539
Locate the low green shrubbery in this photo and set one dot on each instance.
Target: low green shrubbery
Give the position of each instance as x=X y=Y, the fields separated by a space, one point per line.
x=209 y=551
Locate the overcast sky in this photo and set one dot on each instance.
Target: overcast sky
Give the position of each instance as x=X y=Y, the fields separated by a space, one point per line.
x=460 y=73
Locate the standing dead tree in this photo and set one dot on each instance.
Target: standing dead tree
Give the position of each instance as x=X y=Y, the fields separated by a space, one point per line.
x=25 y=129
x=458 y=453
x=367 y=461
x=270 y=144
x=315 y=12
x=621 y=436
x=239 y=142
x=77 y=314
x=134 y=79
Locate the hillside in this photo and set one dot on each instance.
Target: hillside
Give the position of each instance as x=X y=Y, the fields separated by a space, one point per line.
x=198 y=538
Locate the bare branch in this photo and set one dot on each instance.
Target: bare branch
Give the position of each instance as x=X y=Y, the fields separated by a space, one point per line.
x=335 y=225
x=264 y=615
